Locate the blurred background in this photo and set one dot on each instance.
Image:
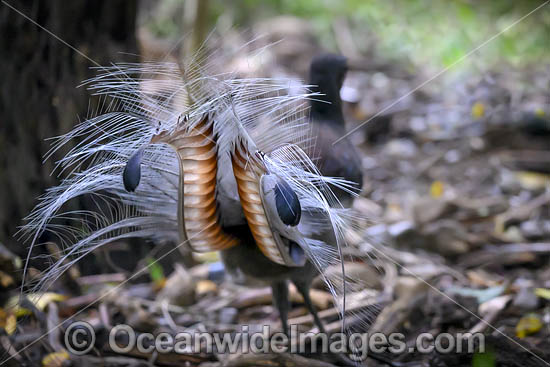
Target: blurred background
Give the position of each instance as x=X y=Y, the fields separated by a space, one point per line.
x=456 y=93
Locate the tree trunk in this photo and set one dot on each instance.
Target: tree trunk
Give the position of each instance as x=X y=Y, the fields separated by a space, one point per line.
x=39 y=95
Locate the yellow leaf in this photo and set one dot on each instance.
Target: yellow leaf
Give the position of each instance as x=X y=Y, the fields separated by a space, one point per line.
x=40 y=301
x=11 y=324
x=539 y=112
x=532 y=180
x=55 y=359
x=436 y=189
x=528 y=324
x=543 y=293
x=12 y=306
x=5 y=279
x=8 y=321
x=22 y=311
x=478 y=110
x=207 y=257
x=206 y=286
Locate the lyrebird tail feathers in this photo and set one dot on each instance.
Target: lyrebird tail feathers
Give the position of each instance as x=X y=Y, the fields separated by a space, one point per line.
x=133 y=157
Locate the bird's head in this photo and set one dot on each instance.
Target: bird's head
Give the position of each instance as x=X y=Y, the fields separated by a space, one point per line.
x=328 y=69
x=326 y=74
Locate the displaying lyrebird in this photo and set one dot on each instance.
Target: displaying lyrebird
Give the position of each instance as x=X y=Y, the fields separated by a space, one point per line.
x=327 y=73
x=204 y=159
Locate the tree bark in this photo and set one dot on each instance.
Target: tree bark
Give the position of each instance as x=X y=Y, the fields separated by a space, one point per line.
x=39 y=97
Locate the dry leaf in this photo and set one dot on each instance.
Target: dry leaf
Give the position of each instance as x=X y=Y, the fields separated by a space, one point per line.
x=436 y=189
x=8 y=321
x=40 y=301
x=528 y=324
x=543 y=293
x=206 y=286
x=478 y=110
x=55 y=359
x=5 y=279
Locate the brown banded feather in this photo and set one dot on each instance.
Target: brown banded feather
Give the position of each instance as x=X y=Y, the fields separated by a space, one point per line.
x=198 y=217
x=247 y=173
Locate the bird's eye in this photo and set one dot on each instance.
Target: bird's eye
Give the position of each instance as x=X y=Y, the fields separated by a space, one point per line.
x=287 y=203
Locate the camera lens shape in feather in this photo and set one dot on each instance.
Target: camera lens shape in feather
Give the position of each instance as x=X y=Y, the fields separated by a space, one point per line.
x=287 y=203
x=132 y=172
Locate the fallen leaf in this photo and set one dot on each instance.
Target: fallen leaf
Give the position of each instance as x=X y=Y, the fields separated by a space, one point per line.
x=207 y=257
x=478 y=110
x=5 y=279
x=543 y=293
x=532 y=180
x=205 y=286
x=495 y=304
x=528 y=324
x=55 y=359
x=436 y=189
x=39 y=300
x=8 y=321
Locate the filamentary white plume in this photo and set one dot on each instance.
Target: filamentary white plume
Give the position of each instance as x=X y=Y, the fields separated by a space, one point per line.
x=247 y=129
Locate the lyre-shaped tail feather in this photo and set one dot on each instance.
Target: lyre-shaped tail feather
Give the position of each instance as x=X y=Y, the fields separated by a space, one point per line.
x=193 y=177
x=248 y=174
x=198 y=218
x=323 y=222
x=287 y=130
x=136 y=103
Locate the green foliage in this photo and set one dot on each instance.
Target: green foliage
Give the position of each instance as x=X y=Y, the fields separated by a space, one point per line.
x=486 y=359
x=165 y=18
x=435 y=33
x=155 y=270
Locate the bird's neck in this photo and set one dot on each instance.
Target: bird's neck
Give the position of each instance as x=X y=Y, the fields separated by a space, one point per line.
x=328 y=106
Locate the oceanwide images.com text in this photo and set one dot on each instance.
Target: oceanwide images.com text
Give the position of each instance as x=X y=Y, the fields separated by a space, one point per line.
x=80 y=339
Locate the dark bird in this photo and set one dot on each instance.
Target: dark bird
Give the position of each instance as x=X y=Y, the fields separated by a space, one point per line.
x=326 y=75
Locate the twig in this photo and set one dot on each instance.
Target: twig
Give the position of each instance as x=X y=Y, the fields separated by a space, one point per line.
x=274 y=360
x=52 y=321
x=166 y=313
x=502 y=253
x=101 y=278
x=498 y=304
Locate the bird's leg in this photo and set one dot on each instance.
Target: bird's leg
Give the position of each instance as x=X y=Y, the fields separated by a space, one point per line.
x=279 y=291
x=303 y=288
